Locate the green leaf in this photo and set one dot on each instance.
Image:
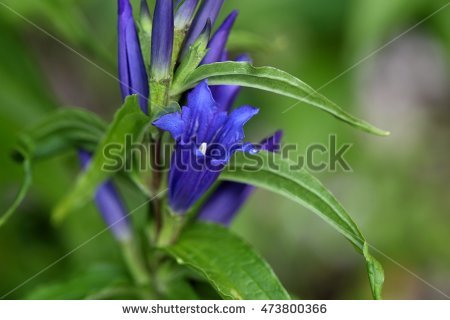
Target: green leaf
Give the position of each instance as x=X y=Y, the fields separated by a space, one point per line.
x=55 y=134
x=227 y=262
x=130 y=121
x=171 y=107
x=375 y=272
x=272 y=80
x=190 y=62
x=145 y=39
x=61 y=131
x=270 y=171
x=98 y=281
x=173 y=282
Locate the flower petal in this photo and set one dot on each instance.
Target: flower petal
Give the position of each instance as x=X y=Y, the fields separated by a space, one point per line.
x=233 y=130
x=172 y=123
x=112 y=209
x=110 y=205
x=202 y=110
x=132 y=73
x=185 y=14
x=218 y=42
x=272 y=143
x=225 y=202
x=162 y=40
x=189 y=179
x=209 y=10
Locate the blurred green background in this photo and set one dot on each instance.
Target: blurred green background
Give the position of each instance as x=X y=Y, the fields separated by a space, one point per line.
x=398 y=191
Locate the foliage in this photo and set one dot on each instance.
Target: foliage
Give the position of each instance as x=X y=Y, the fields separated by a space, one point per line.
x=296 y=186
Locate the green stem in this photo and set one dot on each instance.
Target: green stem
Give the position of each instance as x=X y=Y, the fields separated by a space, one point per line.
x=172 y=227
x=178 y=40
x=135 y=264
x=159 y=95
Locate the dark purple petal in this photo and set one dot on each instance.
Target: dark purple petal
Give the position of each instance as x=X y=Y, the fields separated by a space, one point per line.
x=219 y=41
x=226 y=201
x=162 y=40
x=202 y=41
x=110 y=205
x=224 y=56
x=202 y=109
x=111 y=208
x=272 y=143
x=244 y=58
x=196 y=120
x=189 y=178
x=233 y=130
x=185 y=13
x=225 y=95
x=172 y=123
x=209 y=10
x=132 y=73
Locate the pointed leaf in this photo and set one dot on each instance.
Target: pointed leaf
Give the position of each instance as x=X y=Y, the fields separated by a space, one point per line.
x=57 y=133
x=129 y=120
x=270 y=171
x=272 y=80
x=88 y=284
x=61 y=131
x=228 y=263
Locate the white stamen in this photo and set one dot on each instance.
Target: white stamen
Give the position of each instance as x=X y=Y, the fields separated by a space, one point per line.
x=202 y=148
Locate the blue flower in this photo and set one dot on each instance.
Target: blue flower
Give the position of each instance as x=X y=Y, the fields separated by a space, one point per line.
x=224 y=203
x=162 y=40
x=206 y=138
x=110 y=205
x=132 y=73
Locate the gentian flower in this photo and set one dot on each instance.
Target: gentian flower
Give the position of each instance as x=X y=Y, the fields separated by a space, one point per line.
x=206 y=138
x=132 y=73
x=228 y=198
x=110 y=205
x=162 y=40
x=225 y=202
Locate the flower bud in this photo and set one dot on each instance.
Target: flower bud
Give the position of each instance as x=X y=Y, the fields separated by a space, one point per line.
x=132 y=73
x=162 y=40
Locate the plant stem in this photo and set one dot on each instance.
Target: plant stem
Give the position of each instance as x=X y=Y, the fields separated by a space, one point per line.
x=135 y=264
x=159 y=95
x=155 y=162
